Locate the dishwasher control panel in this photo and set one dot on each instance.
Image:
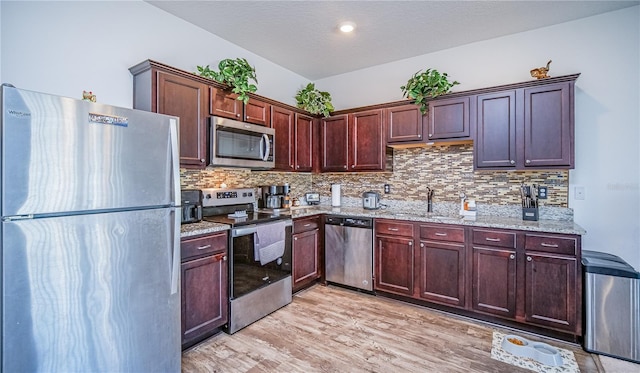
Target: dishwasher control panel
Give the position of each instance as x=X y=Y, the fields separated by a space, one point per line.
x=349 y=221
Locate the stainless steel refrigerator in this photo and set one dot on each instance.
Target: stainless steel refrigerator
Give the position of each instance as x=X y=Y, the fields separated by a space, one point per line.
x=90 y=237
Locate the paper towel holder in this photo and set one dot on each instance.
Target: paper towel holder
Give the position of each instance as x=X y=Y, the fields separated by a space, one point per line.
x=335 y=195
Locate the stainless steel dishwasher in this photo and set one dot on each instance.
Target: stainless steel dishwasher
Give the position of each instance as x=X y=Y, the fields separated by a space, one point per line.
x=349 y=251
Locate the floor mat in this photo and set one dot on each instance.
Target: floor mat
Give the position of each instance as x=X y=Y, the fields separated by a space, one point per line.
x=497 y=353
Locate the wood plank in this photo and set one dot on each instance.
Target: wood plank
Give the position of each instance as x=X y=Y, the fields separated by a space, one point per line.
x=330 y=329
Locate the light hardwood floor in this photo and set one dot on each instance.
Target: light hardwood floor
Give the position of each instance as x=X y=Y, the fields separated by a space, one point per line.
x=330 y=329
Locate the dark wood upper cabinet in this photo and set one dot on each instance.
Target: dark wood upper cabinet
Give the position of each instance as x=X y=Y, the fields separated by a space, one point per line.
x=449 y=119
x=526 y=128
x=257 y=112
x=167 y=92
x=304 y=140
x=335 y=143
x=495 y=142
x=353 y=142
x=282 y=121
x=367 y=143
x=404 y=124
x=548 y=129
x=224 y=103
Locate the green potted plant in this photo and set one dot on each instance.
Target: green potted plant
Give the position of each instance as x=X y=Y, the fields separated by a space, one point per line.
x=234 y=73
x=427 y=84
x=314 y=101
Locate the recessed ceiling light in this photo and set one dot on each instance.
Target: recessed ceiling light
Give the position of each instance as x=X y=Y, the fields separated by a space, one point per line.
x=347 y=27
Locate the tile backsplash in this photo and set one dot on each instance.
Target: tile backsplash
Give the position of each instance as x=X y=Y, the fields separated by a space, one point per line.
x=448 y=169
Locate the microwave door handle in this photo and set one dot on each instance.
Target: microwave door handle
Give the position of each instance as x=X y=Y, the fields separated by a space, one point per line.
x=265 y=148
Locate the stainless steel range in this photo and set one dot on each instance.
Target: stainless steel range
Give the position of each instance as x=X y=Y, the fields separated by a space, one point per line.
x=259 y=254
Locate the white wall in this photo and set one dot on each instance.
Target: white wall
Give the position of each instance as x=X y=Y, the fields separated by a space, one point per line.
x=64 y=48
x=605 y=50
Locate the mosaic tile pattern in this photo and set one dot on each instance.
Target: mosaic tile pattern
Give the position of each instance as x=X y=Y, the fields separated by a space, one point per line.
x=448 y=169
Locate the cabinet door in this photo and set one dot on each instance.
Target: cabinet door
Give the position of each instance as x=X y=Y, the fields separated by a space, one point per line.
x=306 y=257
x=494 y=281
x=442 y=276
x=186 y=99
x=394 y=265
x=404 y=123
x=303 y=143
x=204 y=296
x=282 y=123
x=257 y=112
x=550 y=291
x=367 y=144
x=335 y=137
x=548 y=130
x=449 y=118
x=225 y=104
x=495 y=141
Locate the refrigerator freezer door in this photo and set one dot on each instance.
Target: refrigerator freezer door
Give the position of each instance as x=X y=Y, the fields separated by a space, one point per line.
x=63 y=155
x=91 y=293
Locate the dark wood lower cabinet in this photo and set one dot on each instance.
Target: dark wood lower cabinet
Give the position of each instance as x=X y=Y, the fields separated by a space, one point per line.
x=442 y=274
x=306 y=251
x=551 y=290
x=519 y=278
x=394 y=265
x=204 y=287
x=494 y=281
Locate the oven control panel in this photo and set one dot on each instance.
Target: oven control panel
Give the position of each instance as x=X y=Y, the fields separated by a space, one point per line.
x=224 y=197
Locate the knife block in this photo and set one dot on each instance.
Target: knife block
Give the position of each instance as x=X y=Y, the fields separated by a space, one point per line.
x=530 y=213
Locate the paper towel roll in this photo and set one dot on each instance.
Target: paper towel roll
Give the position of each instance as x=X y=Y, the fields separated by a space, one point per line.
x=335 y=195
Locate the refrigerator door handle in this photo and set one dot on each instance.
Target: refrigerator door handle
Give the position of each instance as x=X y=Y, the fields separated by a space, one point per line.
x=175 y=160
x=175 y=265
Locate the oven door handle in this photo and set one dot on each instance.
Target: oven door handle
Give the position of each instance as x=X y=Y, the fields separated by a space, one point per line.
x=243 y=231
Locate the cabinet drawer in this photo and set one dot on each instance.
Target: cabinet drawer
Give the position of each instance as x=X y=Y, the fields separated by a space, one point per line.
x=306 y=224
x=203 y=245
x=442 y=233
x=494 y=238
x=551 y=244
x=394 y=228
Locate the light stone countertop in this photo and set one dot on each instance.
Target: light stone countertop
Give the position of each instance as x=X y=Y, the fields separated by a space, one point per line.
x=203 y=227
x=502 y=222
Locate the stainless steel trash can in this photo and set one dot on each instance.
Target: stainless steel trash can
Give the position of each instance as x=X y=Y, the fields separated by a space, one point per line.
x=612 y=306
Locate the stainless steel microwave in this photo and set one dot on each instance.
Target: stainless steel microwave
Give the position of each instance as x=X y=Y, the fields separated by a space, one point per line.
x=239 y=144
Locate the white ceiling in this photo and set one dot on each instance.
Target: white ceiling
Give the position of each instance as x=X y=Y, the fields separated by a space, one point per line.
x=303 y=36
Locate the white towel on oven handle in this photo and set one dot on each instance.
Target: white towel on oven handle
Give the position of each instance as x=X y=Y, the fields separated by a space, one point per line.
x=269 y=242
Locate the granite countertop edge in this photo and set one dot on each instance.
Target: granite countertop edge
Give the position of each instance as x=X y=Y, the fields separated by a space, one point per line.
x=548 y=226
x=202 y=228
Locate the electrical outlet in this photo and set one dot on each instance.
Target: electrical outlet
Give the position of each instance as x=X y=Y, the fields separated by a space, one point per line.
x=543 y=192
x=579 y=193
x=387 y=188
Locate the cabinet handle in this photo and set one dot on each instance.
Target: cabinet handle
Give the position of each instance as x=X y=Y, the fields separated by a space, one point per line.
x=291 y=165
x=307 y=225
x=204 y=247
x=393 y=229
x=527 y=161
x=512 y=162
x=512 y=256
x=222 y=257
x=410 y=243
x=492 y=239
x=549 y=245
x=419 y=135
x=237 y=115
x=295 y=238
x=298 y=166
x=202 y=160
x=421 y=244
x=248 y=117
x=529 y=259
x=440 y=234
x=430 y=135
x=345 y=166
